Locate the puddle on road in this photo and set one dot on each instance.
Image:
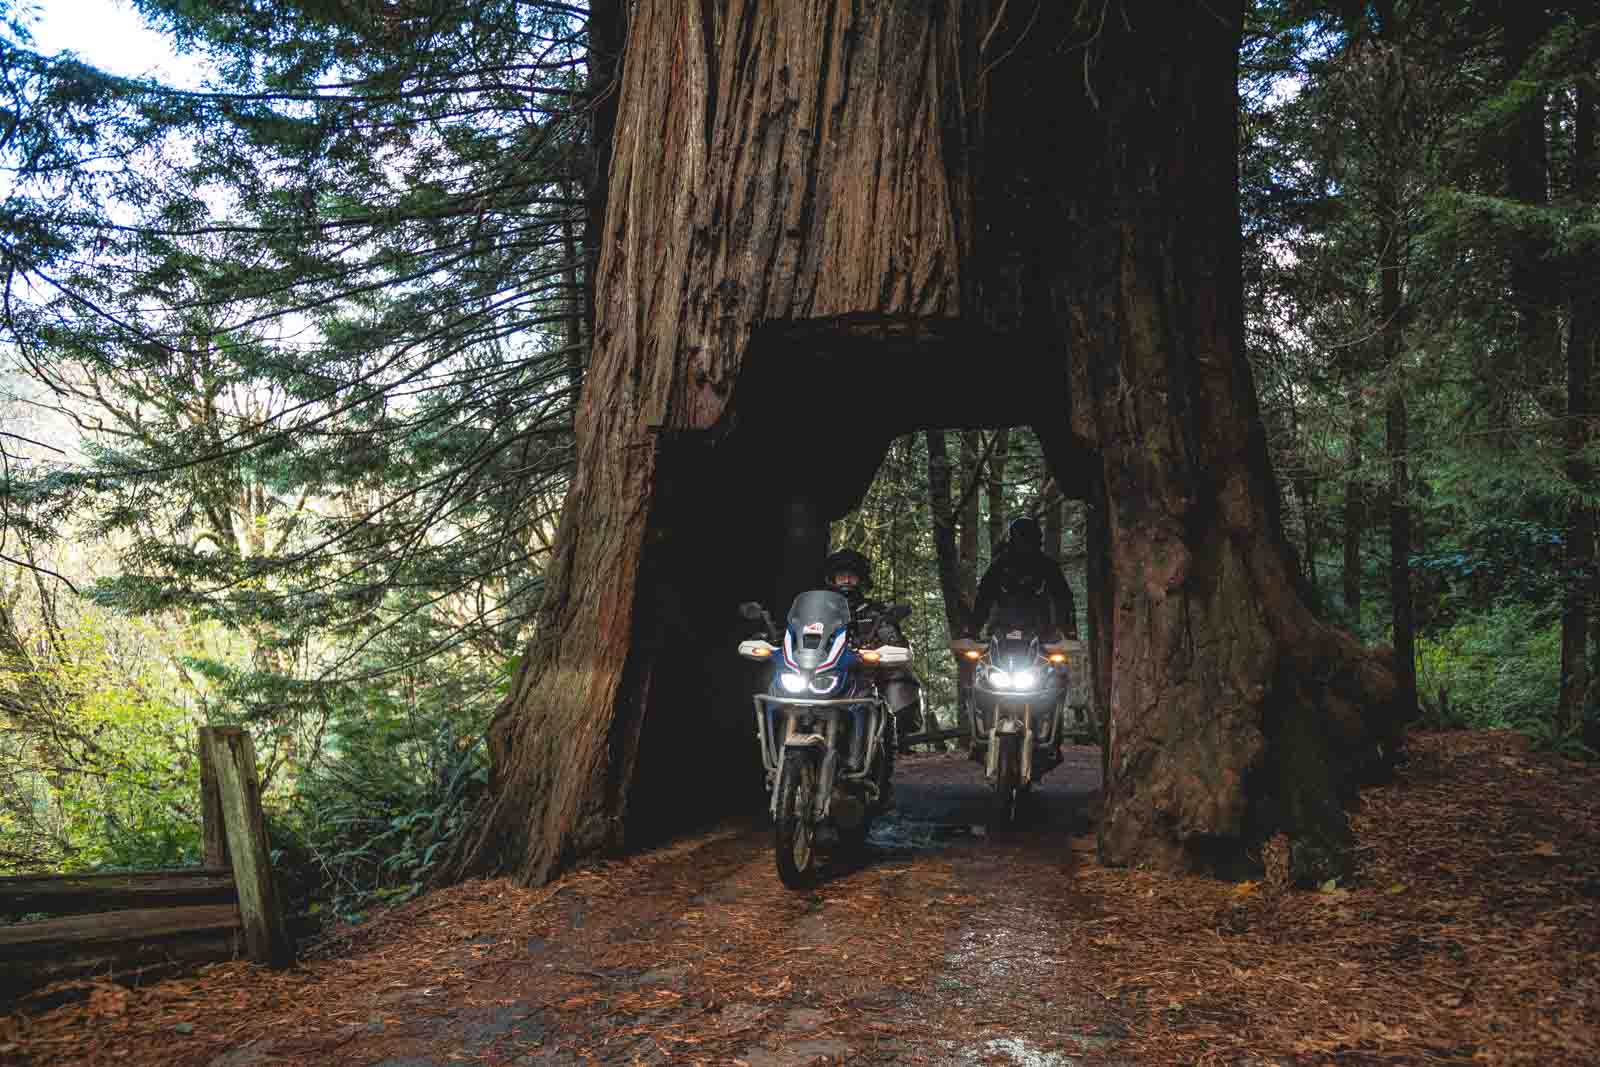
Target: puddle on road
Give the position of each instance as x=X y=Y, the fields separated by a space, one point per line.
x=898 y=834
x=998 y=954
x=1014 y=1050
x=1024 y=1054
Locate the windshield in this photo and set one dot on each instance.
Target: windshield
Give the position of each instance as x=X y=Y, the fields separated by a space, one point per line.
x=816 y=620
x=1013 y=653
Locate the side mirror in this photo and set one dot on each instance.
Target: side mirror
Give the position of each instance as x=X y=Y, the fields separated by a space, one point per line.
x=752 y=611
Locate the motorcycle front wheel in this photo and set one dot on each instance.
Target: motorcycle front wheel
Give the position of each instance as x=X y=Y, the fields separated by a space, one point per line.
x=1005 y=789
x=794 y=838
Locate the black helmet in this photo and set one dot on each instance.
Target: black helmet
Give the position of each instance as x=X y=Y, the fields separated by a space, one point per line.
x=1024 y=532
x=849 y=561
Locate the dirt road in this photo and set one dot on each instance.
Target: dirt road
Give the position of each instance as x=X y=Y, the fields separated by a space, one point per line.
x=1469 y=936
x=940 y=946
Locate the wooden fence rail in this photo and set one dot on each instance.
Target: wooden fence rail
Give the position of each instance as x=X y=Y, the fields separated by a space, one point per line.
x=74 y=894
x=152 y=921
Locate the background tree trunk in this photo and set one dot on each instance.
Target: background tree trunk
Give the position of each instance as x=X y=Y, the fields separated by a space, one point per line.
x=1305 y=491
x=1402 y=620
x=607 y=35
x=1354 y=511
x=1052 y=518
x=944 y=532
x=1532 y=287
x=1233 y=711
x=971 y=472
x=995 y=485
x=1576 y=601
x=1018 y=205
x=1391 y=266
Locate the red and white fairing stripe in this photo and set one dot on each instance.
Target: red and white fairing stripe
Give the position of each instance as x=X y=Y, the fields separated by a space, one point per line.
x=833 y=653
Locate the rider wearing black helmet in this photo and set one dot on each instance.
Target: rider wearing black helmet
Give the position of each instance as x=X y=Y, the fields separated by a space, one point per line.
x=1024 y=588
x=847 y=571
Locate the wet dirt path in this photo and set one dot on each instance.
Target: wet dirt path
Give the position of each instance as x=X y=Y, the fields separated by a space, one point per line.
x=945 y=944
x=1468 y=937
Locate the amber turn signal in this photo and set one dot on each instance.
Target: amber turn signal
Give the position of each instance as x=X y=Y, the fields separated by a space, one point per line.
x=1057 y=657
x=970 y=654
x=870 y=656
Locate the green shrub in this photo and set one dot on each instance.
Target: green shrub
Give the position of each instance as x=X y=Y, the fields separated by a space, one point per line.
x=97 y=765
x=1499 y=669
x=376 y=814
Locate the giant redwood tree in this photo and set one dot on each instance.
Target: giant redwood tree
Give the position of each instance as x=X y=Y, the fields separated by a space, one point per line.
x=833 y=221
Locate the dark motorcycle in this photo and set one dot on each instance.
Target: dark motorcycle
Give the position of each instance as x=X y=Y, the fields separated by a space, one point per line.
x=1016 y=708
x=826 y=734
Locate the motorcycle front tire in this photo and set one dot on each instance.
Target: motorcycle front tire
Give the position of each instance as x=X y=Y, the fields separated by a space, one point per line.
x=794 y=836
x=1006 y=786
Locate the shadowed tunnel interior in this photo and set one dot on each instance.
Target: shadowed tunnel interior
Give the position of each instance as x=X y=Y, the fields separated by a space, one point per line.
x=743 y=510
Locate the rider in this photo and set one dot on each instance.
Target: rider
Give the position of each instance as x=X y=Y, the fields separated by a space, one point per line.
x=847 y=571
x=1024 y=588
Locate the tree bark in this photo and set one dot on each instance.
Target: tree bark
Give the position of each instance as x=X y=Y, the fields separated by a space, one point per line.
x=1306 y=492
x=957 y=578
x=1305 y=497
x=942 y=512
x=1577 y=601
x=1401 y=617
x=808 y=193
x=580 y=319
x=1532 y=290
x=970 y=521
x=1233 y=710
x=1100 y=586
x=1354 y=511
x=995 y=487
x=1052 y=521
x=606 y=37
x=1391 y=264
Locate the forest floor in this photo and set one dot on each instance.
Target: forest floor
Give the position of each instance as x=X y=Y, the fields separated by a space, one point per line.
x=1472 y=935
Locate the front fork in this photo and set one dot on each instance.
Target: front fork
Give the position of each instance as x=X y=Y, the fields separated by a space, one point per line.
x=992 y=764
x=791 y=746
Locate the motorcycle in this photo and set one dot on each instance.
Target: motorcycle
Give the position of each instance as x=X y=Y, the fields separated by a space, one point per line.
x=825 y=732
x=1016 y=711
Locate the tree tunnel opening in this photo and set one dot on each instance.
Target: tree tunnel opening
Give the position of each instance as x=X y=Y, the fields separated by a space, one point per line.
x=896 y=219
x=827 y=416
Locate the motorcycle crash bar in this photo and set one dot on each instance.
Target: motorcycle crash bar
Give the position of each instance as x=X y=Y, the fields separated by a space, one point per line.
x=832 y=706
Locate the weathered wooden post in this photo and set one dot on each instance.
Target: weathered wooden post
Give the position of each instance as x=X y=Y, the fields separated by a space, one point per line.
x=232 y=760
x=213 y=832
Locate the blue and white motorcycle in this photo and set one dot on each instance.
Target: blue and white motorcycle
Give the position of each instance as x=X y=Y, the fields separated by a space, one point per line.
x=826 y=734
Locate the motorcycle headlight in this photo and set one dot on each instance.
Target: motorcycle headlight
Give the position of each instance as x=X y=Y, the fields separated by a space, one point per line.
x=826 y=682
x=792 y=682
x=1000 y=679
x=1024 y=680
